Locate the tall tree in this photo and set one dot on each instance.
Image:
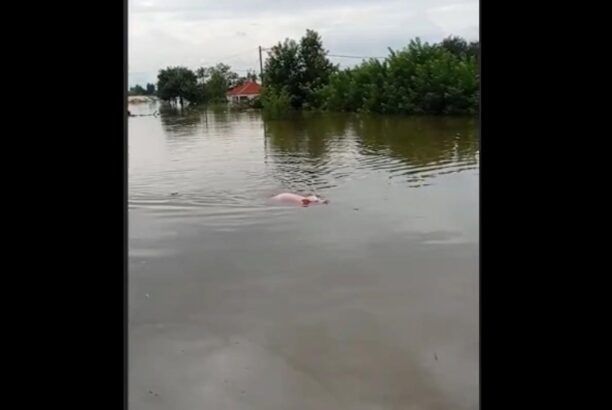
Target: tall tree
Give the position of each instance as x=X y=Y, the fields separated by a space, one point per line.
x=299 y=69
x=315 y=68
x=178 y=82
x=282 y=70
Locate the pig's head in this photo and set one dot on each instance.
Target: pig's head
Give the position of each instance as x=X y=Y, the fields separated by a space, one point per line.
x=314 y=200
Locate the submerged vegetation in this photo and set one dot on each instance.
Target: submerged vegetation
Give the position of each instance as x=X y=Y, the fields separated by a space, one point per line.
x=276 y=103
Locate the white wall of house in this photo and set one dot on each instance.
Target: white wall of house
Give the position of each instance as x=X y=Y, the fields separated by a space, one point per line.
x=238 y=98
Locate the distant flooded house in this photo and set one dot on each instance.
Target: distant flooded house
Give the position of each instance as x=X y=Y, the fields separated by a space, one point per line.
x=243 y=92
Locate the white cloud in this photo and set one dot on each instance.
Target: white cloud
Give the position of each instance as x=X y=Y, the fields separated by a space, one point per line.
x=456 y=18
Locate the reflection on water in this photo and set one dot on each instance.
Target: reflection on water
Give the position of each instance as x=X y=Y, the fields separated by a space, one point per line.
x=314 y=152
x=322 y=149
x=220 y=166
x=418 y=148
x=368 y=302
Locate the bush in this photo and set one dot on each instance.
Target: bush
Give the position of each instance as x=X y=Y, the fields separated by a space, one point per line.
x=276 y=103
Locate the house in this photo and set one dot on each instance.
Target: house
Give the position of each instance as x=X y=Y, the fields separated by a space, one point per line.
x=243 y=92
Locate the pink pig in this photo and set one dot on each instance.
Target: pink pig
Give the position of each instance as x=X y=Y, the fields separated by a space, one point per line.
x=294 y=199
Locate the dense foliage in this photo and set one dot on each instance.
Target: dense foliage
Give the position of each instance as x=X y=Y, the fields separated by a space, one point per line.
x=420 y=79
x=215 y=81
x=178 y=83
x=276 y=102
x=298 y=69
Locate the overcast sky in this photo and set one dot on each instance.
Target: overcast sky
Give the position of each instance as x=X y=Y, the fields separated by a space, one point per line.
x=196 y=33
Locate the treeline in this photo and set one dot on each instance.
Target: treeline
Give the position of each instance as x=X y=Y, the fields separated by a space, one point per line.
x=204 y=85
x=139 y=90
x=420 y=79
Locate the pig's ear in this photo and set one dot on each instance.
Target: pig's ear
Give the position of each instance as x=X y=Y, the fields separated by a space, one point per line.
x=305 y=201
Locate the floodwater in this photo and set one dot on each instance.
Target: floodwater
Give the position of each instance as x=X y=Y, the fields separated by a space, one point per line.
x=369 y=302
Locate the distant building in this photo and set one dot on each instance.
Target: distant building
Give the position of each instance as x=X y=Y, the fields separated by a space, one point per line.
x=243 y=92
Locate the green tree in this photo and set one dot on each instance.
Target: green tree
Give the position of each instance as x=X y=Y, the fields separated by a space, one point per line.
x=315 y=68
x=474 y=50
x=201 y=75
x=276 y=103
x=282 y=71
x=214 y=81
x=178 y=83
x=150 y=89
x=461 y=48
x=137 y=90
x=456 y=46
x=420 y=79
x=299 y=69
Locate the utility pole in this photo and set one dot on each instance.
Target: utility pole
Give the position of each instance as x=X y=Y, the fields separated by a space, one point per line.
x=260 y=66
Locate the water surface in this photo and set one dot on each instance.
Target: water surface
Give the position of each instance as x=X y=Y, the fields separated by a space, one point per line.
x=370 y=302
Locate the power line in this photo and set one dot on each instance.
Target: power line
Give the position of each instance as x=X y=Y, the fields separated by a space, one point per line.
x=241 y=53
x=345 y=56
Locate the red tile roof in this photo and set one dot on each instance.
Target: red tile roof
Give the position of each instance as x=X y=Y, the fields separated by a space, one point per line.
x=248 y=88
